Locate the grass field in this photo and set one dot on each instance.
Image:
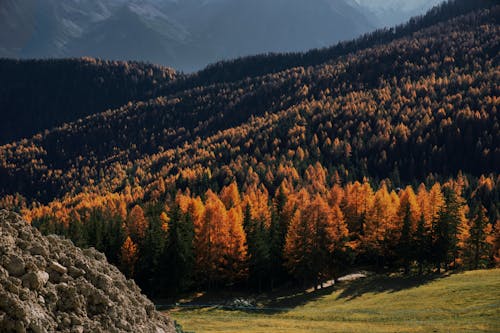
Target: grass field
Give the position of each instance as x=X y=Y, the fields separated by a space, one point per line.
x=464 y=302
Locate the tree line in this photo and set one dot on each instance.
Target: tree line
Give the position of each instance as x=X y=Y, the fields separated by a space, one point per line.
x=304 y=233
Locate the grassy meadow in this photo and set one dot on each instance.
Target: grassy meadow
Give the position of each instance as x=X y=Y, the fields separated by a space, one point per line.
x=463 y=302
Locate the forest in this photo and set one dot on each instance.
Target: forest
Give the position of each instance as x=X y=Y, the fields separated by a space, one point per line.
x=382 y=152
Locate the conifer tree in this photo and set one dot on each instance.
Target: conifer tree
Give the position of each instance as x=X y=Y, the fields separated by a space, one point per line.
x=152 y=249
x=258 y=249
x=480 y=242
x=178 y=256
x=380 y=227
x=129 y=255
x=277 y=235
x=450 y=230
x=137 y=224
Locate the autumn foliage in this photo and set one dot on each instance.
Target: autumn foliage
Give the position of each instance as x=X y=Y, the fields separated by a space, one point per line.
x=381 y=152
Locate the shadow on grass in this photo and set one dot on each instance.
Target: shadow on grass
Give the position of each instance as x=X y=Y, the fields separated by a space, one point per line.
x=286 y=299
x=279 y=301
x=385 y=283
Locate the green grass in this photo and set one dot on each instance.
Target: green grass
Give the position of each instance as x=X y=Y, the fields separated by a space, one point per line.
x=464 y=302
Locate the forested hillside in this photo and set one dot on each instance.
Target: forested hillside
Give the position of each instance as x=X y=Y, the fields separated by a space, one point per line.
x=382 y=153
x=39 y=94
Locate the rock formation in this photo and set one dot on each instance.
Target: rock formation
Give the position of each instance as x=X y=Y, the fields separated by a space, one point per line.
x=47 y=284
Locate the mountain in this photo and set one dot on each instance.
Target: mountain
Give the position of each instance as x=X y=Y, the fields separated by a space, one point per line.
x=186 y=35
x=388 y=13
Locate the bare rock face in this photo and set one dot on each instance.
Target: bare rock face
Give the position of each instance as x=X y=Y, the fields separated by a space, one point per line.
x=49 y=285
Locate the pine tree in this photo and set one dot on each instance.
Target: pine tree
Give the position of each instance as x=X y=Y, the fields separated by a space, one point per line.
x=178 y=257
x=258 y=249
x=152 y=249
x=277 y=236
x=405 y=242
x=409 y=215
x=422 y=243
x=480 y=242
x=450 y=229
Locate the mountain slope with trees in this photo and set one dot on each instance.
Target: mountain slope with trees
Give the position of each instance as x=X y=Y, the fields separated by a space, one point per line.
x=41 y=94
x=384 y=156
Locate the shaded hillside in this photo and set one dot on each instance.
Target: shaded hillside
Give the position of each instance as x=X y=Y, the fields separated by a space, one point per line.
x=40 y=94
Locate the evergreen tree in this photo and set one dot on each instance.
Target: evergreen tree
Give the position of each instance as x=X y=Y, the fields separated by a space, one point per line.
x=258 y=249
x=449 y=228
x=422 y=243
x=152 y=250
x=480 y=242
x=178 y=264
x=277 y=236
x=405 y=242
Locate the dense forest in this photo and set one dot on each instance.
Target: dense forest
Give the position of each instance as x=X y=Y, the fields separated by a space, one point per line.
x=380 y=152
x=36 y=95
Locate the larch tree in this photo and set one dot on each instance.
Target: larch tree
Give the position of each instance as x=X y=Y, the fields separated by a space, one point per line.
x=357 y=201
x=337 y=237
x=211 y=241
x=137 y=224
x=129 y=256
x=298 y=244
x=236 y=246
x=380 y=227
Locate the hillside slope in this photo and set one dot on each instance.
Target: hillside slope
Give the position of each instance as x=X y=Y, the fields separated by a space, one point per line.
x=404 y=107
x=465 y=302
x=41 y=94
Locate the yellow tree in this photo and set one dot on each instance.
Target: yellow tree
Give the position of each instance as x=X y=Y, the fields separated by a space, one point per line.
x=357 y=202
x=236 y=245
x=137 y=224
x=316 y=234
x=129 y=256
x=381 y=226
x=230 y=196
x=210 y=237
x=258 y=199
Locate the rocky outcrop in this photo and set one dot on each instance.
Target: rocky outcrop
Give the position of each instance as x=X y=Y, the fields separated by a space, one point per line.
x=47 y=284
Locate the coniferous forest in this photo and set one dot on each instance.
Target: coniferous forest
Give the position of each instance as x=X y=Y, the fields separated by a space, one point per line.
x=381 y=152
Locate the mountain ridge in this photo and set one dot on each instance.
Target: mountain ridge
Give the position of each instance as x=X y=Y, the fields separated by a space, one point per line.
x=186 y=35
